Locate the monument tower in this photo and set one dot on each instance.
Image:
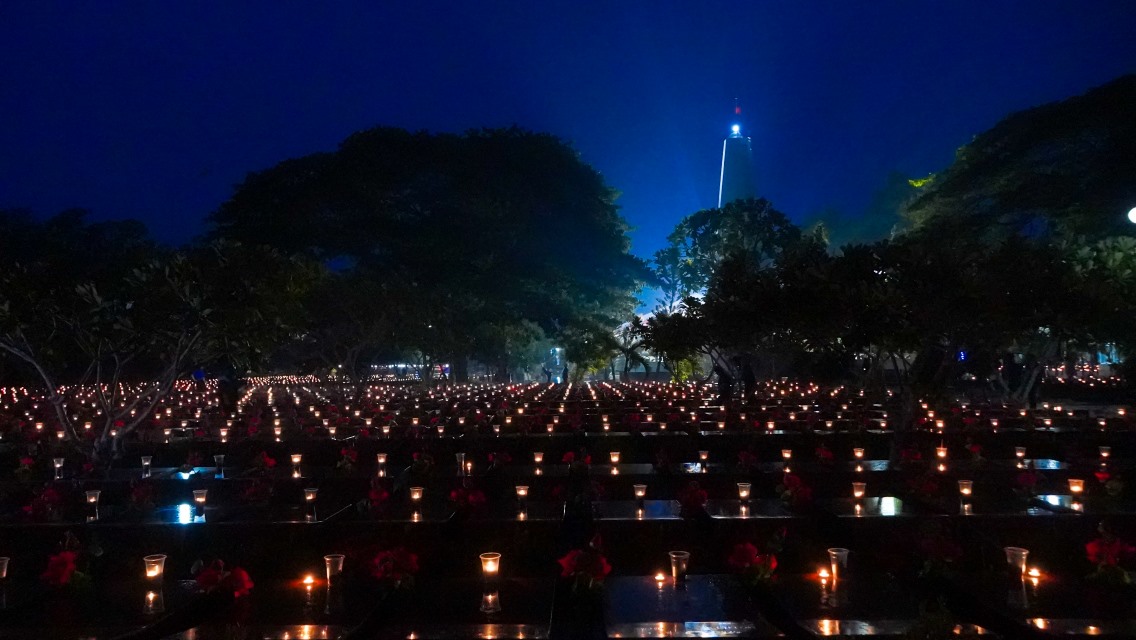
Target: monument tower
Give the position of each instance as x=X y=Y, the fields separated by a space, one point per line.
x=736 y=181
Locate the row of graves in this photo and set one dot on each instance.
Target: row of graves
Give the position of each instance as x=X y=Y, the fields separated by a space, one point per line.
x=604 y=510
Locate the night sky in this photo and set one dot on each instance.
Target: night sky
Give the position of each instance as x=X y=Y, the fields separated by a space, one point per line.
x=154 y=110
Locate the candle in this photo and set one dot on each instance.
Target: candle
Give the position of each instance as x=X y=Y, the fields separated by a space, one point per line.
x=1076 y=486
x=703 y=456
x=786 y=454
x=614 y=457
x=416 y=493
x=966 y=487
x=1020 y=452
x=1104 y=451
x=640 y=490
x=941 y=451
x=743 y=490
x=199 y=496
x=93 y=497
x=538 y=457
x=310 y=495
x=522 y=491
x=490 y=564
x=155 y=567
x=858 y=489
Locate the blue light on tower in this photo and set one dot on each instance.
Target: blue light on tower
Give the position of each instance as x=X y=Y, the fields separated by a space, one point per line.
x=736 y=129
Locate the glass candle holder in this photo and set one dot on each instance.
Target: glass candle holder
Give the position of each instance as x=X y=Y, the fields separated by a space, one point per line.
x=1105 y=451
x=1016 y=557
x=966 y=487
x=1076 y=486
x=941 y=452
x=786 y=454
x=57 y=463
x=490 y=565
x=297 y=458
x=416 y=494
x=381 y=459
x=703 y=456
x=538 y=457
x=333 y=563
x=680 y=564
x=640 y=491
x=858 y=489
x=199 y=496
x=614 y=455
x=310 y=495
x=93 y=497
x=154 y=568
x=522 y=492
x=837 y=564
x=224 y=434
x=858 y=453
x=721 y=425
x=146 y=460
x=743 y=490
x=1020 y=452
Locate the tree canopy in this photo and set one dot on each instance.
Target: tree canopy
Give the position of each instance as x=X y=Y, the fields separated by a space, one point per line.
x=471 y=240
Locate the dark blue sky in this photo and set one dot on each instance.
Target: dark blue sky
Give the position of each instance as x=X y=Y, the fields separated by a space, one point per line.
x=155 y=110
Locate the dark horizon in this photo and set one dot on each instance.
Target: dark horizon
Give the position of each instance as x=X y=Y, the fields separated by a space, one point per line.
x=155 y=113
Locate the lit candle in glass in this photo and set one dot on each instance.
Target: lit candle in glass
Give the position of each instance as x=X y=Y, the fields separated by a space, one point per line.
x=522 y=491
x=155 y=568
x=1020 y=452
x=1076 y=486
x=640 y=491
x=703 y=456
x=614 y=457
x=941 y=452
x=858 y=489
x=310 y=495
x=1105 y=451
x=416 y=493
x=786 y=454
x=58 y=464
x=199 y=496
x=966 y=487
x=538 y=457
x=93 y=497
x=743 y=490
x=224 y=434
x=146 y=466
x=490 y=565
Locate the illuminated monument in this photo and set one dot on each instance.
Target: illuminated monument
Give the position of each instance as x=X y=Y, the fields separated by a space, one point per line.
x=736 y=181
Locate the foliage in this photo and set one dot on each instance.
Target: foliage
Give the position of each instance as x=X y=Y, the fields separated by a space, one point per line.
x=132 y=327
x=1063 y=168
x=473 y=241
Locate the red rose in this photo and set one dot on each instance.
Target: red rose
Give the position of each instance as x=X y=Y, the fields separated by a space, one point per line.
x=587 y=563
x=26 y=461
x=60 y=568
x=569 y=457
x=1108 y=552
x=239 y=582
x=394 y=564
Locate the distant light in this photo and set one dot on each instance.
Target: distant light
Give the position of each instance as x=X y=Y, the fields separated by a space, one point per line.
x=1132 y=215
x=736 y=129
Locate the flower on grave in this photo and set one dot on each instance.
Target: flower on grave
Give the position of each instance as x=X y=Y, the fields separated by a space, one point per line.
x=692 y=499
x=142 y=495
x=61 y=567
x=1108 y=553
x=44 y=505
x=751 y=563
x=586 y=567
x=214 y=577
x=396 y=567
x=347 y=459
x=263 y=462
x=794 y=491
x=467 y=499
x=747 y=460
